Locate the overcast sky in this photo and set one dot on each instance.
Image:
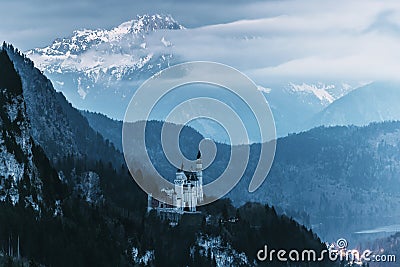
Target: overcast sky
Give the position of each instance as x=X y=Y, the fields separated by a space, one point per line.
x=344 y=39
x=29 y=24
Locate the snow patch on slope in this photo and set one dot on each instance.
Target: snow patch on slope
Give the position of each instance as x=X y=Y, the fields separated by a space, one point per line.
x=223 y=254
x=320 y=90
x=145 y=259
x=88 y=187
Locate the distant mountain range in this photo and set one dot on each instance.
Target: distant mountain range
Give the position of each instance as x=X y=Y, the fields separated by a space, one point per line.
x=377 y=101
x=100 y=69
x=303 y=107
x=92 y=67
x=294 y=104
x=329 y=173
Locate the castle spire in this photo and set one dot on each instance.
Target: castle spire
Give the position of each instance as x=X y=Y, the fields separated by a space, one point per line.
x=181 y=168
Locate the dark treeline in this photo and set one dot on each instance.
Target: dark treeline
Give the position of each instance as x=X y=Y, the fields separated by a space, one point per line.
x=81 y=234
x=104 y=235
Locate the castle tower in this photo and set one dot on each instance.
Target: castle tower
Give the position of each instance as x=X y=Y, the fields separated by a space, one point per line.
x=179 y=181
x=199 y=174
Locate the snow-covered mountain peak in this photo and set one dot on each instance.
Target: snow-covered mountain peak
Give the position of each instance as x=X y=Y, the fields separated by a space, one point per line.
x=319 y=90
x=324 y=92
x=85 y=39
x=149 y=23
x=107 y=56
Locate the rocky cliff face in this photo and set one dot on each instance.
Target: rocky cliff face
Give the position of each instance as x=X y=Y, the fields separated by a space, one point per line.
x=26 y=175
x=55 y=125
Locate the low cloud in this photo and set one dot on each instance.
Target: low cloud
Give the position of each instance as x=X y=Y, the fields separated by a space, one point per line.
x=268 y=40
x=341 y=43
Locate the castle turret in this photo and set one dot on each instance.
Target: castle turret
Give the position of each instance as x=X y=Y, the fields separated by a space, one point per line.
x=199 y=174
x=179 y=181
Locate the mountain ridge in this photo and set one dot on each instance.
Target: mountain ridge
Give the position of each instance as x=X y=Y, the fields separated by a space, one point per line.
x=325 y=163
x=92 y=67
x=374 y=102
x=57 y=127
x=27 y=177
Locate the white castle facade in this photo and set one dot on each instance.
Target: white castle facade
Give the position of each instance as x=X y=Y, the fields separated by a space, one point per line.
x=186 y=194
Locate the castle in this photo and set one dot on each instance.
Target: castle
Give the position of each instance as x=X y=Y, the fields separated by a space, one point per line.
x=186 y=194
